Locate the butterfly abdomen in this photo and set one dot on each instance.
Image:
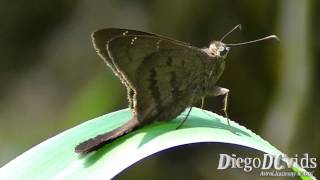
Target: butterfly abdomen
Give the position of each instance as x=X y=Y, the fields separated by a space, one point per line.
x=102 y=139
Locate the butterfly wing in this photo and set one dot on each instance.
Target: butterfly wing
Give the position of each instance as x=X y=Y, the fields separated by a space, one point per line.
x=100 y=39
x=164 y=75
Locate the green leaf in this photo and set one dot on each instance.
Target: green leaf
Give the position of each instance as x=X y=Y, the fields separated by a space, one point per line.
x=55 y=157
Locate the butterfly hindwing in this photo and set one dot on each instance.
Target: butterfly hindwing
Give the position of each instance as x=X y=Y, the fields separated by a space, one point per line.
x=162 y=74
x=166 y=85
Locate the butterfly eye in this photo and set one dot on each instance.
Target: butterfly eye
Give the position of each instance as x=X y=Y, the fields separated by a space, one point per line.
x=223 y=51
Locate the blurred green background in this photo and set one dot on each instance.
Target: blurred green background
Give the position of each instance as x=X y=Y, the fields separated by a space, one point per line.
x=51 y=78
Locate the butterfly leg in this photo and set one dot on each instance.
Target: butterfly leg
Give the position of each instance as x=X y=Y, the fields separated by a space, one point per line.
x=202 y=105
x=185 y=118
x=188 y=113
x=202 y=102
x=220 y=91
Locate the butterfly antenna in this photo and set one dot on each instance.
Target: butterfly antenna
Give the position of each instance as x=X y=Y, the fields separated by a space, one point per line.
x=236 y=27
x=257 y=40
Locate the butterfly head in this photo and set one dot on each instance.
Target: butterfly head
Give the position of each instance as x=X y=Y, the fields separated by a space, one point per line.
x=219 y=49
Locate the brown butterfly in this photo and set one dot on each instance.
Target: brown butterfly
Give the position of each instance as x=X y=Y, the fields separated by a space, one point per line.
x=163 y=76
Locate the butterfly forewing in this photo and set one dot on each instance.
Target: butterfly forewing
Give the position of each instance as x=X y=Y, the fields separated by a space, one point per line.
x=101 y=38
x=163 y=74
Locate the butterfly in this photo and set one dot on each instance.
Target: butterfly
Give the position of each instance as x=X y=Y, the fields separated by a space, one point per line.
x=163 y=76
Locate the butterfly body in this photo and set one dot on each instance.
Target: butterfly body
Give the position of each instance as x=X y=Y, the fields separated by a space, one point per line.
x=162 y=76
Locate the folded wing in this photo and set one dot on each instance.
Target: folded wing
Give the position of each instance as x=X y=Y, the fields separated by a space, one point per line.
x=164 y=75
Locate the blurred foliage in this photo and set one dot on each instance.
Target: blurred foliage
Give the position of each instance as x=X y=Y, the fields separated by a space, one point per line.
x=24 y=27
x=51 y=78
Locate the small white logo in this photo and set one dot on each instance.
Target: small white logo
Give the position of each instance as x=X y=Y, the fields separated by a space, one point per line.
x=267 y=162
